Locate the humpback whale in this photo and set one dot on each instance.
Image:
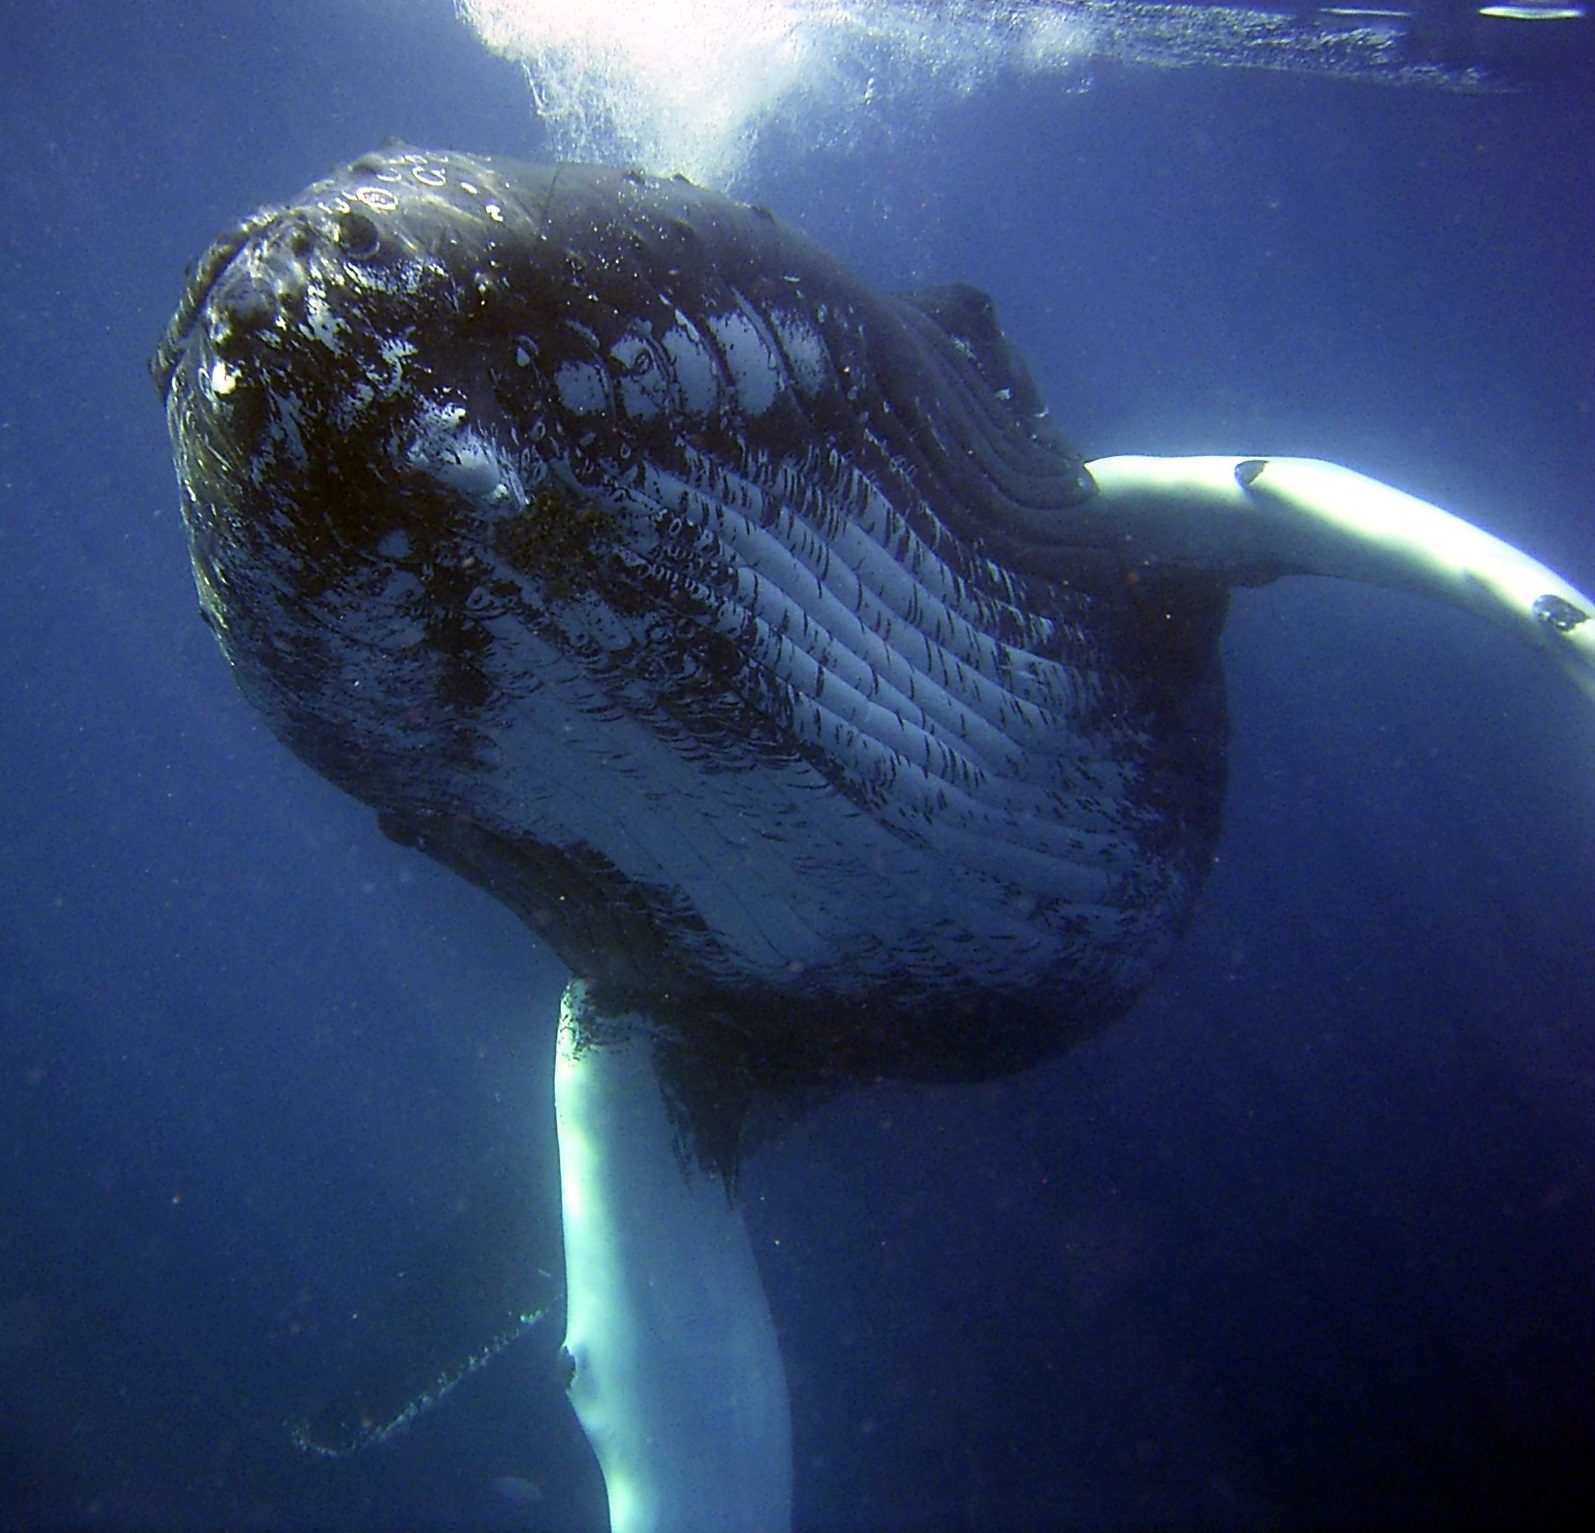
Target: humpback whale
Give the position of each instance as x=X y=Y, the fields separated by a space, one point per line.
x=760 y=640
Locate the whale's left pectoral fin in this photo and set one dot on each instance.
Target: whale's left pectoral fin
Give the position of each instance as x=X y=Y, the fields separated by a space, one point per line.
x=1253 y=519
x=676 y=1376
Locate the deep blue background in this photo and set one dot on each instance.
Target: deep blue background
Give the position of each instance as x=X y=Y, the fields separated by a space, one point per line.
x=1306 y=1239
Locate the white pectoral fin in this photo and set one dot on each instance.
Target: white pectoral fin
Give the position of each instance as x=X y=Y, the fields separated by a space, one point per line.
x=677 y=1379
x=1252 y=518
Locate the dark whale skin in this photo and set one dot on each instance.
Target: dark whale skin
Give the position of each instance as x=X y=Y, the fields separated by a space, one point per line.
x=724 y=618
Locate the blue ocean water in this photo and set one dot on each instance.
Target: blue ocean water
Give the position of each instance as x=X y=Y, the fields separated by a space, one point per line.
x=1306 y=1240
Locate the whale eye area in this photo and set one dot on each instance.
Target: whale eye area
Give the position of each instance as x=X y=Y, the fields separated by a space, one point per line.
x=357 y=235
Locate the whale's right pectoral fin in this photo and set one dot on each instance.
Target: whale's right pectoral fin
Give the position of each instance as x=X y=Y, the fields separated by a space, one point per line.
x=1249 y=520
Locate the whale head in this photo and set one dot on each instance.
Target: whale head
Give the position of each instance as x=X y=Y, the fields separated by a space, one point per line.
x=721 y=616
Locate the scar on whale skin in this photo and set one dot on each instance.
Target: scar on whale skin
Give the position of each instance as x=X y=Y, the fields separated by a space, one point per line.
x=761 y=642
